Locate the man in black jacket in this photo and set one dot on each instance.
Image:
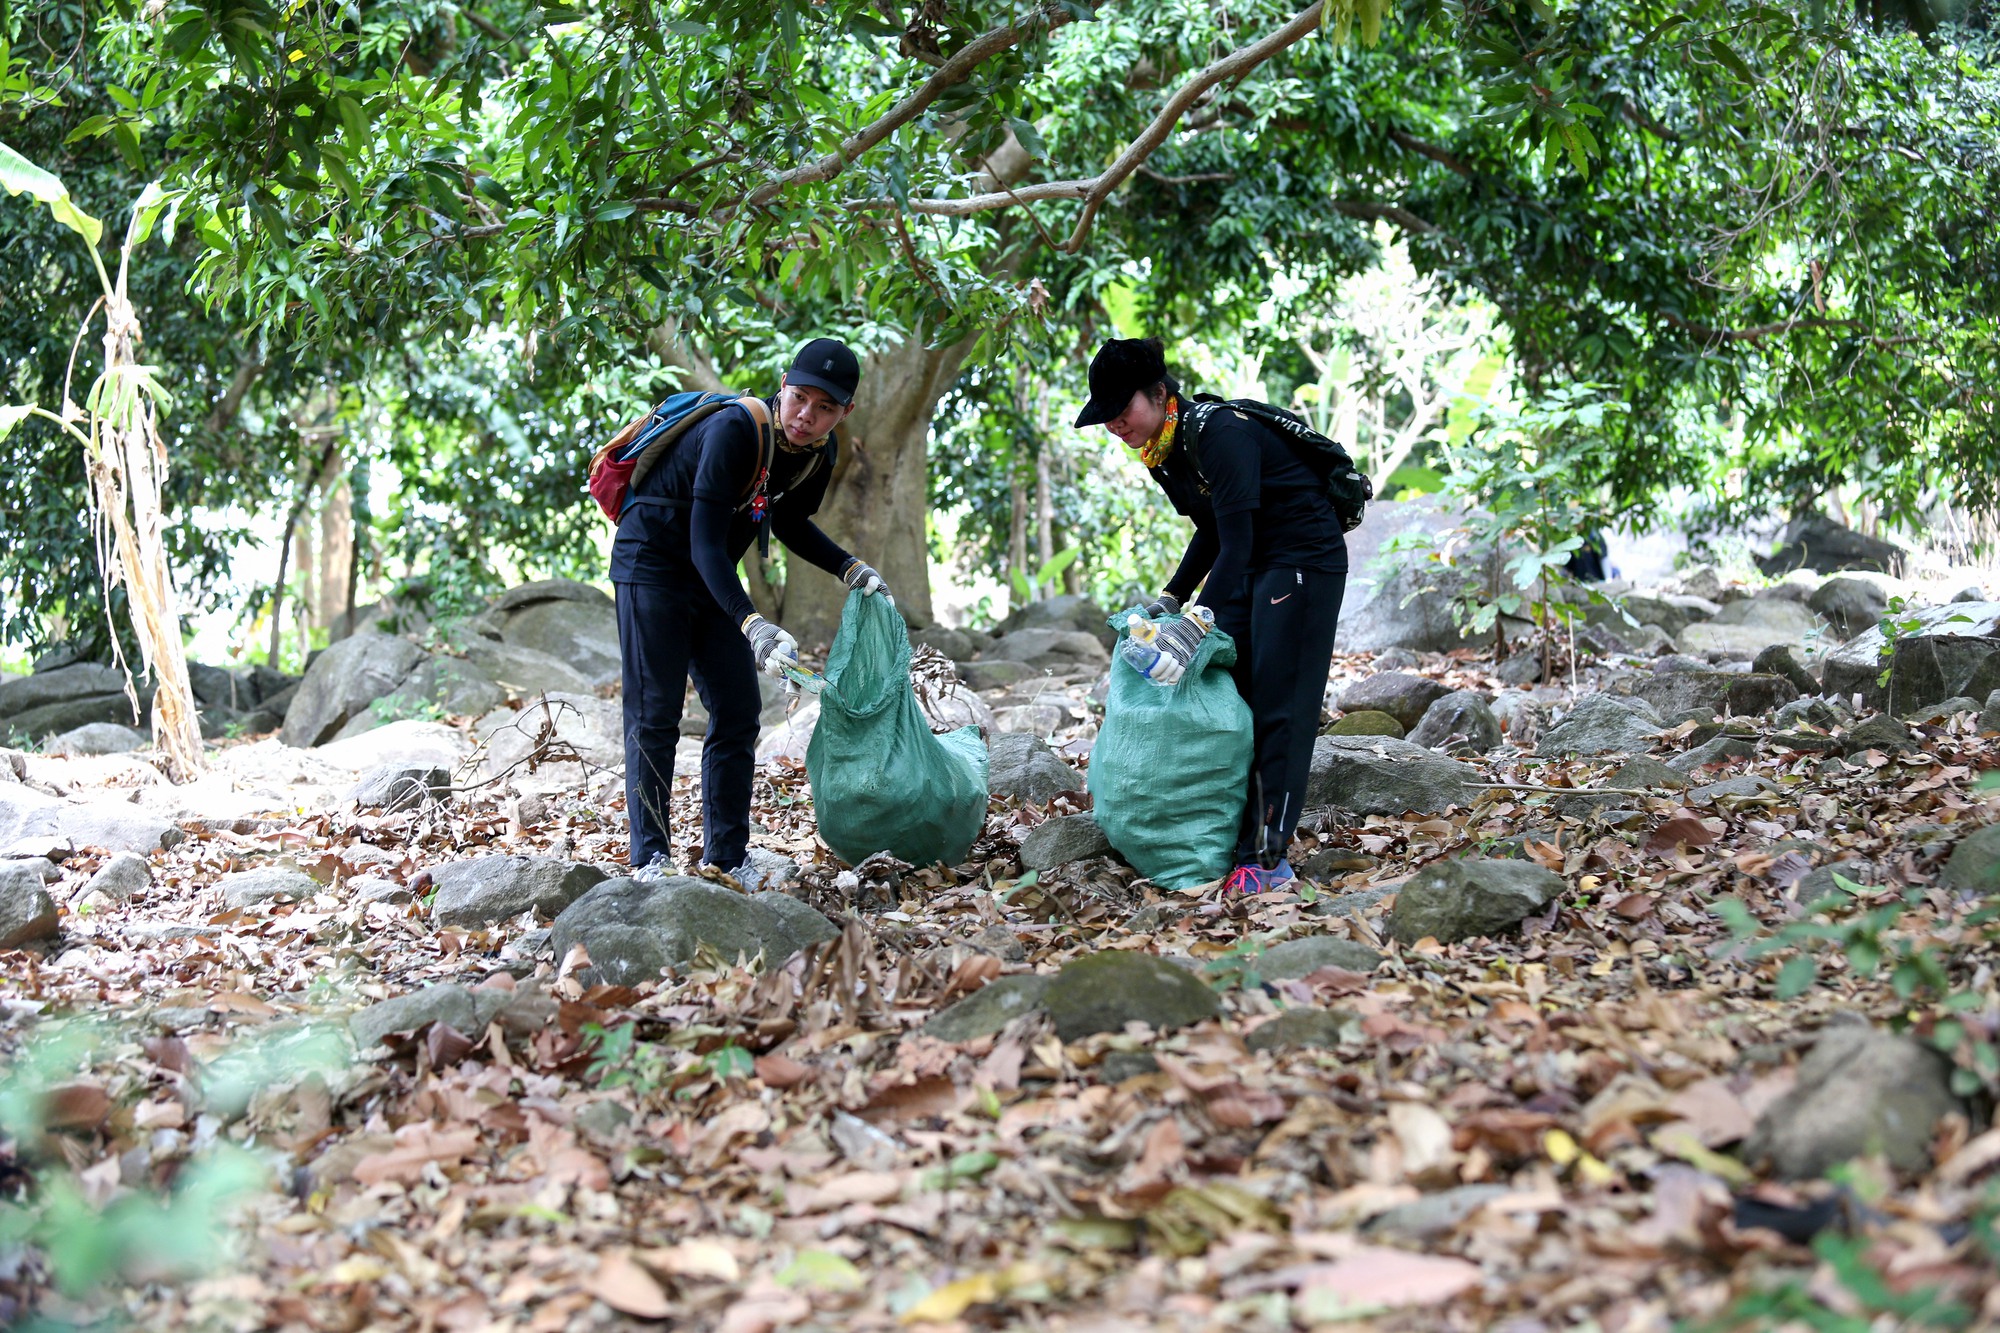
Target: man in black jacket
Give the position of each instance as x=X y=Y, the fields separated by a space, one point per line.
x=682 y=610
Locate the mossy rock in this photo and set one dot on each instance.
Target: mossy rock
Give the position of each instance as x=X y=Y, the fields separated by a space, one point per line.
x=1104 y=991
x=1367 y=722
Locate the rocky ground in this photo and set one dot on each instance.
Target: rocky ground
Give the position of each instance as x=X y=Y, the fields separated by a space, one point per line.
x=1661 y=992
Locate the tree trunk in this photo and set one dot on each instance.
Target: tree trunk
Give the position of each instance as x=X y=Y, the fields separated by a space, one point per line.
x=880 y=496
x=1017 y=528
x=336 y=548
x=1045 y=518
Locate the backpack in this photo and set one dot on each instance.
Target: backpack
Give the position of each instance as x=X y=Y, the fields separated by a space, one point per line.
x=643 y=442
x=1348 y=489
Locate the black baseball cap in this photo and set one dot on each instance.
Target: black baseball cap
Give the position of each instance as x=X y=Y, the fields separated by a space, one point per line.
x=1120 y=369
x=826 y=363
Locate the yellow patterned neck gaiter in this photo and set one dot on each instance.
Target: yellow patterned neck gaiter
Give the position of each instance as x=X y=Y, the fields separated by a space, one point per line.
x=1154 y=451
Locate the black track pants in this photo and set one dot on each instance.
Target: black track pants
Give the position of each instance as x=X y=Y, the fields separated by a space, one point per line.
x=664 y=635
x=1283 y=622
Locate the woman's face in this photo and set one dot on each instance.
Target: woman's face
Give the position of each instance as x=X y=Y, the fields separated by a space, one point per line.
x=1140 y=421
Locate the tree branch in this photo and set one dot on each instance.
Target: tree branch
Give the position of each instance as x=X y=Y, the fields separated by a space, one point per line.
x=1091 y=191
x=223 y=415
x=1187 y=180
x=954 y=71
x=1757 y=332
x=1444 y=157
x=1369 y=211
x=1234 y=65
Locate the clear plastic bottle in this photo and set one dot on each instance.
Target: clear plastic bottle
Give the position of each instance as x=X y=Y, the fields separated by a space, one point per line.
x=1141 y=647
x=1138 y=648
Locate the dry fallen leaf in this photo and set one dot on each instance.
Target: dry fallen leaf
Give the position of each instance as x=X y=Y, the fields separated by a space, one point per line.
x=626 y=1287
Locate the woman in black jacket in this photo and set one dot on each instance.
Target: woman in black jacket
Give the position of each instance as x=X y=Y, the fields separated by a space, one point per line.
x=1270 y=546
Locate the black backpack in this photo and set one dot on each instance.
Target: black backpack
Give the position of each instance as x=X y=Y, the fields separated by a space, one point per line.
x=1348 y=489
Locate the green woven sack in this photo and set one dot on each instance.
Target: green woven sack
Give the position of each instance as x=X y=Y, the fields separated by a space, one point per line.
x=1170 y=771
x=881 y=782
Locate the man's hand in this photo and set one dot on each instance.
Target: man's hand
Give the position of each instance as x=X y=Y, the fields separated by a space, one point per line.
x=771 y=646
x=1165 y=605
x=864 y=577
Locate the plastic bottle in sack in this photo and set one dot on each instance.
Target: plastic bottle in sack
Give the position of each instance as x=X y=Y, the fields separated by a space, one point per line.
x=1141 y=646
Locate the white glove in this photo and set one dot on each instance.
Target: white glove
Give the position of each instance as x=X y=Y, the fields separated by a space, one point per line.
x=773 y=648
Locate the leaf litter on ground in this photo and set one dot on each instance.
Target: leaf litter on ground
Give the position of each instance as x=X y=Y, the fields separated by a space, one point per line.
x=1532 y=1131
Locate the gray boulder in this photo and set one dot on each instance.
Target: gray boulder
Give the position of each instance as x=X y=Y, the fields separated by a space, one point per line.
x=1818 y=882
x=1927 y=671
x=1298 y=1029
x=953 y=643
x=116 y=826
x=1781 y=659
x=989 y=1009
x=27 y=913
x=1405 y=601
x=1974 y=866
x=1457 y=900
x=1102 y=992
x=1989 y=713
x=1639 y=773
x=1816 y=542
x=570 y=621
x=1823 y=713
x=1716 y=750
x=98 y=738
x=1859 y=1091
x=995 y=675
x=1375 y=775
x=343 y=681
x=1880 y=732
x=1744 y=694
x=1855 y=667
x=468 y=1011
x=1030 y=719
x=247 y=888
x=1603 y=724
x=125 y=875
x=1070 y=611
x=1729 y=791
x=452 y=685
x=594 y=727
x=1972 y=592
x=635 y=930
x=1402 y=696
x=1047 y=648
x=500 y=888
x=1303 y=957
x=1059 y=841
x=52 y=702
x=28 y=815
x=394 y=787
x=1849 y=605
x=1025 y=768
x=524 y=672
x=1746 y=628
x=1459 y=721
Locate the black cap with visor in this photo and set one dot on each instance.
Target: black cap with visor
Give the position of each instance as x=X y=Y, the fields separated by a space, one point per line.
x=1121 y=368
x=828 y=365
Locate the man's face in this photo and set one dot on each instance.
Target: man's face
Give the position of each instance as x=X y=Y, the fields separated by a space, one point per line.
x=806 y=413
x=1140 y=421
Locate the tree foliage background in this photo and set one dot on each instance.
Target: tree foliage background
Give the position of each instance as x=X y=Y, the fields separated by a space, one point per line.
x=449 y=246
